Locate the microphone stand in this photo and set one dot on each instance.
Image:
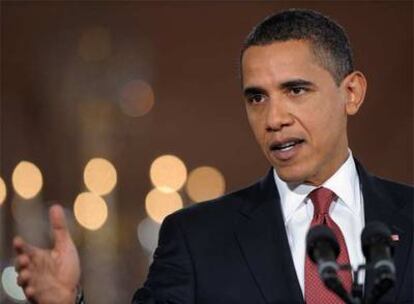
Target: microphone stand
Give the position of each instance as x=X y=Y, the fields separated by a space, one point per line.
x=357 y=294
x=357 y=290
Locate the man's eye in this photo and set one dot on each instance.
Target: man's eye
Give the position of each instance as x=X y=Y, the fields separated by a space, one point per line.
x=257 y=98
x=297 y=91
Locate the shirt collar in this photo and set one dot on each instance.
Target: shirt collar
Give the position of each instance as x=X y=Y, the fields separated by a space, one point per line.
x=292 y=197
x=344 y=183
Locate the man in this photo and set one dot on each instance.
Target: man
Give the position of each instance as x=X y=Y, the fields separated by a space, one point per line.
x=249 y=246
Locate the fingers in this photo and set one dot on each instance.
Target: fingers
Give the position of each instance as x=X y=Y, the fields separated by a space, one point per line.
x=18 y=245
x=23 y=278
x=21 y=247
x=59 y=228
x=29 y=291
x=21 y=262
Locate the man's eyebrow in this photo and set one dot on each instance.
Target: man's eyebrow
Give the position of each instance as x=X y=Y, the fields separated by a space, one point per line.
x=249 y=91
x=296 y=83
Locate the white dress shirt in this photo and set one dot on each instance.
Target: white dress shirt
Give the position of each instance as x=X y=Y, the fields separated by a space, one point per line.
x=347 y=211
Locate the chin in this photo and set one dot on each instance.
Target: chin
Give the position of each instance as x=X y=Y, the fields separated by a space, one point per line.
x=291 y=177
x=296 y=173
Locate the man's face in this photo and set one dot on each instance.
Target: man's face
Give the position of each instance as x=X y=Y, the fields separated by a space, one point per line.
x=296 y=111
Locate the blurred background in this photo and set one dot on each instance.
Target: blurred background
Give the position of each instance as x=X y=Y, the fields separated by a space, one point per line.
x=125 y=111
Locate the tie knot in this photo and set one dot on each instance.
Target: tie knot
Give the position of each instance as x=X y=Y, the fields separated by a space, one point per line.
x=321 y=199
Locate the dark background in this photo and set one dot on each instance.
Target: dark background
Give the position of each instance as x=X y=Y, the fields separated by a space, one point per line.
x=58 y=111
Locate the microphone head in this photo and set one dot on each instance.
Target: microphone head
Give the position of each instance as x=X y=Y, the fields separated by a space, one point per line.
x=318 y=235
x=375 y=233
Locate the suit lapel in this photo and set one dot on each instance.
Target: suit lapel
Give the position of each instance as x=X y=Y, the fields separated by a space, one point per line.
x=262 y=237
x=380 y=206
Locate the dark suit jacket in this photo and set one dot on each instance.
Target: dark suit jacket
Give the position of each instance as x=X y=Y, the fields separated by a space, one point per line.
x=235 y=249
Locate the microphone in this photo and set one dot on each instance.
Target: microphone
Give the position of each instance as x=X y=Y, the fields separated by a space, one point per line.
x=377 y=248
x=323 y=249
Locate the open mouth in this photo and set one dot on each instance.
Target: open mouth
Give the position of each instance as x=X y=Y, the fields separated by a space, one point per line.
x=286 y=146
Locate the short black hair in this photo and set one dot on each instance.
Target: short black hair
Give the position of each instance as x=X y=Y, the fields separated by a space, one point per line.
x=328 y=39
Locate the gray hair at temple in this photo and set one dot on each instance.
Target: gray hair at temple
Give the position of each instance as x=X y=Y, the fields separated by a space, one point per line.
x=328 y=40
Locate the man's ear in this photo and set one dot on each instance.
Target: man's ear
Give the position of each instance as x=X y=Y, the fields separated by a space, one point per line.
x=355 y=87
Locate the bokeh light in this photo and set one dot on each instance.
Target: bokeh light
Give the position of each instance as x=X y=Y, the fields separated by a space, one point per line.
x=137 y=98
x=90 y=210
x=205 y=183
x=168 y=173
x=3 y=191
x=94 y=44
x=9 y=283
x=159 y=204
x=148 y=234
x=100 y=176
x=27 y=179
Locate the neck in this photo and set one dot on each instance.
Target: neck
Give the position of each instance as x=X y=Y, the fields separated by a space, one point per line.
x=318 y=179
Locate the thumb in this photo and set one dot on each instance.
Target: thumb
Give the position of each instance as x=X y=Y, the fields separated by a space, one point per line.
x=59 y=228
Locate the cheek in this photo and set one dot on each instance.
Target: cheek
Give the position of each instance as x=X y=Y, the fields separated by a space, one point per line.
x=256 y=126
x=321 y=125
x=328 y=126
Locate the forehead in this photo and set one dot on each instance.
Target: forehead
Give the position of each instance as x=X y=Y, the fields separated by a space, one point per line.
x=280 y=60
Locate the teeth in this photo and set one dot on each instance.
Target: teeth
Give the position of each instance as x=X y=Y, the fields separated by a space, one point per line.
x=286 y=145
x=286 y=148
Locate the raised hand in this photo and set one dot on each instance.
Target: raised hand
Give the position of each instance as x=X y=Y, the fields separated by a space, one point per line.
x=49 y=276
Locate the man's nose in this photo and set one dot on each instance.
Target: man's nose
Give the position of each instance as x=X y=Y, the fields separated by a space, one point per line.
x=278 y=115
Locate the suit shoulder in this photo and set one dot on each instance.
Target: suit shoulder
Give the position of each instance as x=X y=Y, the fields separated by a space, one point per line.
x=394 y=187
x=402 y=194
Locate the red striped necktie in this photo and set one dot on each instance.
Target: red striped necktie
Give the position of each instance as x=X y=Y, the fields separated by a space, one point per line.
x=315 y=290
